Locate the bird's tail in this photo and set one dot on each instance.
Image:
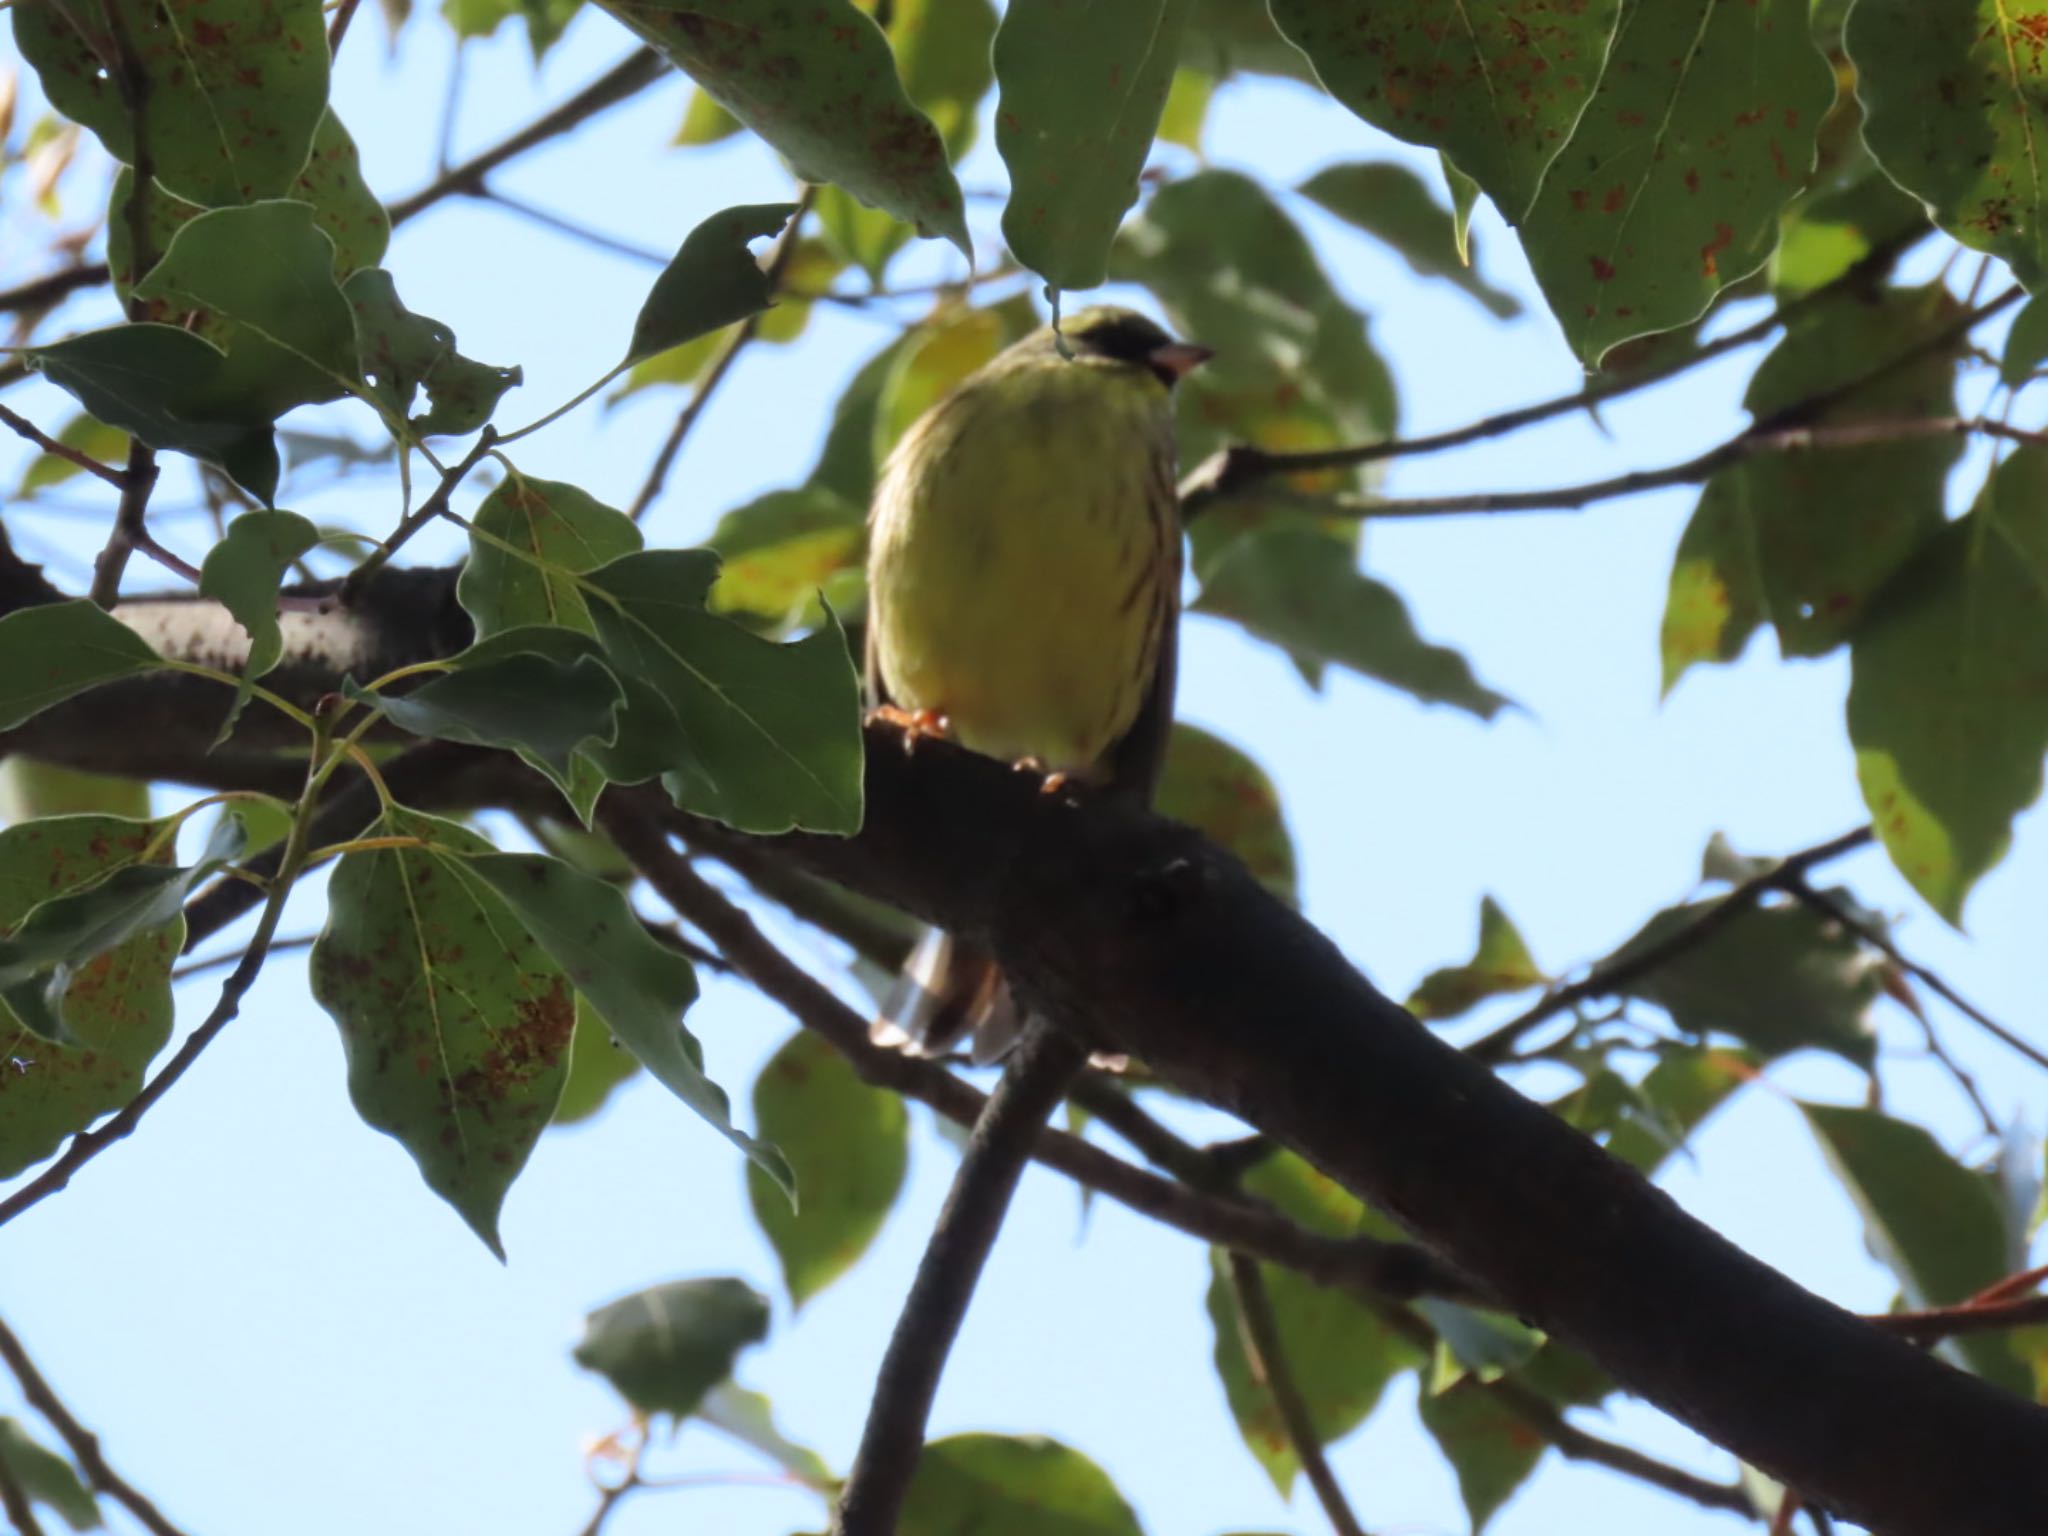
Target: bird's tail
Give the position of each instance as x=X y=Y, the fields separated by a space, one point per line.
x=948 y=989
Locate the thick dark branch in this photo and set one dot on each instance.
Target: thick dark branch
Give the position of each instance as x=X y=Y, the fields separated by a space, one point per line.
x=1034 y=1081
x=1139 y=933
x=82 y=1442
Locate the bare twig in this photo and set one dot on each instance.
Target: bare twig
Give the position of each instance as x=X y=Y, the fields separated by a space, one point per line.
x=130 y=531
x=23 y=427
x=1924 y=1327
x=1608 y=979
x=561 y=226
x=1034 y=1080
x=43 y=292
x=622 y=81
x=776 y=268
x=611 y=1495
x=82 y=1442
x=1881 y=941
x=416 y=519
x=1267 y=1357
x=338 y=28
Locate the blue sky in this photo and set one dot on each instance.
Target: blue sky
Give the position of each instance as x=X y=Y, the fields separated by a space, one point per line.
x=275 y=1327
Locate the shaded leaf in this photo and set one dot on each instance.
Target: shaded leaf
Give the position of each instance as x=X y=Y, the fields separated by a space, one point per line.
x=204 y=78
x=1935 y=1223
x=1779 y=978
x=1805 y=541
x=1080 y=92
x=637 y=984
x=454 y=1018
x=47 y=1478
x=559 y=532
x=1389 y=202
x=1497 y=85
x=118 y=1006
x=1950 y=94
x=55 y=650
x=2026 y=345
x=244 y=571
x=1946 y=709
x=30 y=788
x=1229 y=798
x=663 y=1348
x=1620 y=237
x=848 y=1145
x=1298 y=589
x=399 y=353
x=1492 y=1449
x=799 y=78
x=598 y=1064
x=770 y=734
x=1005 y=1485
x=713 y=280
x=1474 y=1342
x=749 y=1419
x=942 y=48
x=1501 y=964
x=1647 y=1122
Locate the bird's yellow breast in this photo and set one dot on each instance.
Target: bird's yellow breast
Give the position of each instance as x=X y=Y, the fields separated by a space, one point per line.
x=1024 y=560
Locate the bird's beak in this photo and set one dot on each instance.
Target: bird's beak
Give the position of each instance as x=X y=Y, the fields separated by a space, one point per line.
x=1177 y=359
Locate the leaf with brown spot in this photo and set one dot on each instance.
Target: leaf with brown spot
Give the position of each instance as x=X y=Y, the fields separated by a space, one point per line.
x=455 y=1021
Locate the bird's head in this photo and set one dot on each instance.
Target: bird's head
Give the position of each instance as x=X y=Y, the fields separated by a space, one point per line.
x=1106 y=334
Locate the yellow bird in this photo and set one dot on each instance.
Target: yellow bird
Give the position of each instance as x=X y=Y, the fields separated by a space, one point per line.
x=1024 y=593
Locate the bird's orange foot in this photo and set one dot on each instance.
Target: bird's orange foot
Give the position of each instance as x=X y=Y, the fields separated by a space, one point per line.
x=1052 y=782
x=916 y=724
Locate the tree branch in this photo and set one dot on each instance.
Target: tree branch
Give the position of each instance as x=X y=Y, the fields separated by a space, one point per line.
x=23 y=427
x=83 y=1443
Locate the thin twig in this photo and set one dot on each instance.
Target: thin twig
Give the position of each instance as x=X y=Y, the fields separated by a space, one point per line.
x=1879 y=940
x=82 y=1442
x=1924 y=1327
x=1399 y=1270
x=776 y=268
x=85 y=461
x=569 y=227
x=46 y=291
x=338 y=28
x=1267 y=1357
x=415 y=520
x=130 y=531
x=611 y=1495
x=1235 y=467
x=1034 y=1081
x=1605 y=980
x=621 y=82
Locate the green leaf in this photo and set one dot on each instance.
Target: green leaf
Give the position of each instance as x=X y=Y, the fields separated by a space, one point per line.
x=944 y=348
x=1620 y=238
x=546 y=20
x=1186 y=109
x=54 y=650
x=47 y=1478
x=818 y=84
x=1229 y=798
x=943 y=49
x=705 y=122
x=454 y=1018
x=1224 y=37
x=118 y=1006
x=1080 y=92
x=205 y=80
x=1806 y=541
x=771 y=733
x=1342 y=1351
x=778 y=550
x=399 y=353
x=268 y=269
x=598 y=1064
x=1492 y=1449
x=1473 y=1342
x=1497 y=85
x=863 y=237
x=1644 y=1123
x=560 y=532
x=1780 y=978
x=30 y=788
x=94 y=439
x=1946 y=711
x=1298 y=589
x=1391 y=203
x=2026 y=345
x=1010 y=1485
x=1464 y=198
x=749 y=1419
x=1950 y=92
x=848 y=1145
x=1501 y=964
x=637 y=984
x=1294 y=365
x=846 y=464
x=159 y=383
x=1935 y=1223
x=712 y=282
x=663 y=1348
x=244 y=570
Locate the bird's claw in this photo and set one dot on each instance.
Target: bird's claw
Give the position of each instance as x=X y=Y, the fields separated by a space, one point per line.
x=1052 y=780
x=916 y=724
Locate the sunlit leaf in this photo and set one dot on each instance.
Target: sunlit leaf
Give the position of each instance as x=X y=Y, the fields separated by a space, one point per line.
x=1501 y=964
x=30 y=787
x=1946 y=711
x=749 y=1419
x=1003 y=1485
x=713 y=280
x=778 y=550
x=400 y=353
x=54 y=650
x=663 y=1348
x=1221 y=791
x=94 y=439
x=1491 y=1448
